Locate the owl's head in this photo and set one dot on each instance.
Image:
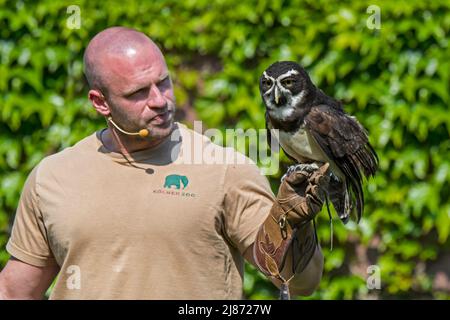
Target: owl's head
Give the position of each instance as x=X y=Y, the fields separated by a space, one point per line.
x=283 y=87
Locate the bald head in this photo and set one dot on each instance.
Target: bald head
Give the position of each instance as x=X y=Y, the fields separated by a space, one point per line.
x=118 y=43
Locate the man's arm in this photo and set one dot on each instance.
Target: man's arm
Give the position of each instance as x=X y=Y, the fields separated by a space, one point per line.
x=286 y=246
x=19 y=280
x=304 y=283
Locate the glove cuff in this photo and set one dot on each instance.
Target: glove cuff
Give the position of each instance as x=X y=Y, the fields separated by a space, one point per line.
x=274 y=239
x=303 y=244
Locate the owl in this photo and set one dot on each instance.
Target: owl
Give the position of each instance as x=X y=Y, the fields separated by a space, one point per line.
x=313 y=128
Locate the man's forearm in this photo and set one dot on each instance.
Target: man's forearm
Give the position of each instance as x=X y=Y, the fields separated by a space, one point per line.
x=308 y=280
x=304 y=280
x=308 y=273
x=9 y=291
x=286 y=246
x=19 y=280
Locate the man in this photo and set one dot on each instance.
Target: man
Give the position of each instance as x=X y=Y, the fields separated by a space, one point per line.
x=124 y=216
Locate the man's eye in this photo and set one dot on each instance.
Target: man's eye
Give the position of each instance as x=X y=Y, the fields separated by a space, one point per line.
x=137 y=93
x=163 y=83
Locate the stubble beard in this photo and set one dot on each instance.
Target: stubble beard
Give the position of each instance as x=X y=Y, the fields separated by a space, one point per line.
x=157 y=132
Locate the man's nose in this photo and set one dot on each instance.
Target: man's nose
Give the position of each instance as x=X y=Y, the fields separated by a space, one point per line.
x=156 y=99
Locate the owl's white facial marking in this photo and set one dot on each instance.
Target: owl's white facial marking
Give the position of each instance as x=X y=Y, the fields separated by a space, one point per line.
x=282 y=112
x=298 y=98
x=287 y=74
x=273 y=83
x=286 y=92
x=277 y=112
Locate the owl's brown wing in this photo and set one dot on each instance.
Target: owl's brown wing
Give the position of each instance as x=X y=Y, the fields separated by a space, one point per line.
x=345 y=141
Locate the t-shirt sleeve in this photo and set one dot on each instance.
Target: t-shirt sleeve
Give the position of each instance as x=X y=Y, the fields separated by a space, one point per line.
x=28 y=241
x=247 y=203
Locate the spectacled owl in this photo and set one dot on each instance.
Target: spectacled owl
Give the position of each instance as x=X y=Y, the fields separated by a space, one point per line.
x=314 y=127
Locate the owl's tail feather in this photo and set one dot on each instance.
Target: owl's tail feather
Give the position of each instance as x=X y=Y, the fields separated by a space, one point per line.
x=340 y=198
x=331 y=223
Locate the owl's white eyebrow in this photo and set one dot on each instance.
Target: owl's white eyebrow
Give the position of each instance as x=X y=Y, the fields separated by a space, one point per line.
x=287 y=74
x=268 y=77
x=273 y=83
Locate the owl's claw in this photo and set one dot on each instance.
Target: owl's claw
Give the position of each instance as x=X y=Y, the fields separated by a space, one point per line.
x=308 y=167
x=333 y=176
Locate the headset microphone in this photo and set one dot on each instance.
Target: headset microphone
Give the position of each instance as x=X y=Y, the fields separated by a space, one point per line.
x=142 y=133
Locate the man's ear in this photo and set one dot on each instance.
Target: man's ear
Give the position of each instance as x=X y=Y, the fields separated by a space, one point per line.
x=99 y=102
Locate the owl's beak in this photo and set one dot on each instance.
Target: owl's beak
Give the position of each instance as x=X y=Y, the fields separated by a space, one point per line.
x=277 y=95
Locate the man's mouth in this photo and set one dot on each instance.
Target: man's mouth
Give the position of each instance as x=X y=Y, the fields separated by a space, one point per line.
x=161 y=118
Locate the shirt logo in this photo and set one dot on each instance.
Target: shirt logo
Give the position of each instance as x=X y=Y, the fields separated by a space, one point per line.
x=174 y=185
x=177 y=181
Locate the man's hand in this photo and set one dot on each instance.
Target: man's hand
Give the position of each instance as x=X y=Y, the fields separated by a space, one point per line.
x=288 y=232
x=302 y=193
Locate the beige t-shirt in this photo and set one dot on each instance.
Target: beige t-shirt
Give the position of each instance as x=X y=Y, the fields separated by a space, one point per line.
x=155 y=226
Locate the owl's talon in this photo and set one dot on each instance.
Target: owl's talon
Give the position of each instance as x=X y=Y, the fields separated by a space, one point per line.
x=308 y=167
x=333 y=176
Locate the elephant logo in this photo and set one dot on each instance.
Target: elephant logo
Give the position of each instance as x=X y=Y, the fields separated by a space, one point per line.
x=176 y=180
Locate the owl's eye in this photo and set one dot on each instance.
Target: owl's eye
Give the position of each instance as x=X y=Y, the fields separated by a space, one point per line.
x=288 y=83
x=267 y=83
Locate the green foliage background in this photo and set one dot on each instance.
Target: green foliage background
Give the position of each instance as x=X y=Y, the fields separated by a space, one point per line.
x=395 y=80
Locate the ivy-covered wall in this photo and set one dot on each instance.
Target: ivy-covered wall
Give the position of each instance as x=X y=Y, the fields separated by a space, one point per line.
x=394 y=79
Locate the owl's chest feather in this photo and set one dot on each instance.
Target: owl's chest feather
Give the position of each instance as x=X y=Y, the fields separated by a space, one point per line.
x=300 y=144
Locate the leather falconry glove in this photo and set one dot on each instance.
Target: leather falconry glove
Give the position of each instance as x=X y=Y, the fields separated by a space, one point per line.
x=288 y=226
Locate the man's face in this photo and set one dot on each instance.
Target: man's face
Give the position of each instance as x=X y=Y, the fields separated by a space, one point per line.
x=140 y=92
